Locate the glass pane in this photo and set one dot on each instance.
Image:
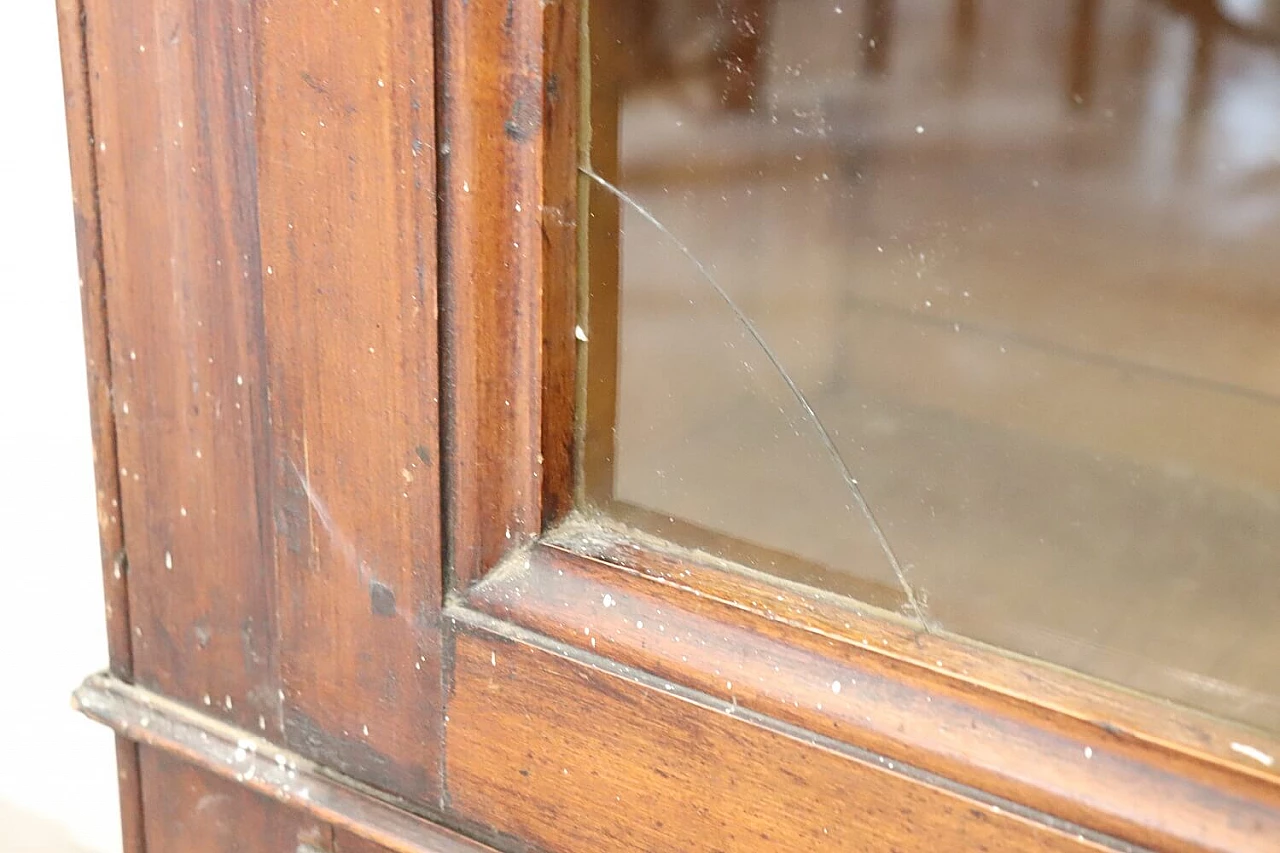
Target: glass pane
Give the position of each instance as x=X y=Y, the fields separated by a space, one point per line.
x=970 y=310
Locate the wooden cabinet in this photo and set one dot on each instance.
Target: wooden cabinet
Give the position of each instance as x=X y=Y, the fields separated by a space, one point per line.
x=352 y=313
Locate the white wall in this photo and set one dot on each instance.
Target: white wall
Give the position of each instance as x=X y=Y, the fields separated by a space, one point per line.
x=57 y=770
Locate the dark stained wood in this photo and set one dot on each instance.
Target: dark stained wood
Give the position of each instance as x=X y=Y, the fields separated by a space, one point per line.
x=843 y=684
x=256 y=199
x=238 y=756
x=97 y=346
x=84 y=184
x=129 y=784
x=191 y=810
x=172 y=114
x=346 y=190
x=497 y=117
x=560 y=213
x=592 y=758
x=491 y=125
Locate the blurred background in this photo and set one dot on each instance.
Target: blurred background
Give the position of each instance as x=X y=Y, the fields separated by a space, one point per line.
x=57 y=770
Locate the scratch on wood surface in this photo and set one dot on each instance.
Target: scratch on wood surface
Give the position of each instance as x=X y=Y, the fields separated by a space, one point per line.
x=339 y=539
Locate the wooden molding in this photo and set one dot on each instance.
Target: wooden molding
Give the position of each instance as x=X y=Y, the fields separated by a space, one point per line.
x=507 y=104
x=577 y=753
x=1123 y=765
x=151 y=720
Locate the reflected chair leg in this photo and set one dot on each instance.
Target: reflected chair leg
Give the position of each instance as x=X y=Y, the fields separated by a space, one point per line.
x=742 y=54
x=964 y=27
x=1080 y=62
x=878 y=29
x=1199 y=92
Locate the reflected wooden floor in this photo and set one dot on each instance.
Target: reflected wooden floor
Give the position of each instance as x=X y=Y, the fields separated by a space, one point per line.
x=1042 y=327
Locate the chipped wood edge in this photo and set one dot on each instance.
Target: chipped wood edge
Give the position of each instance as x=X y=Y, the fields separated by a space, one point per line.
x=151 y=720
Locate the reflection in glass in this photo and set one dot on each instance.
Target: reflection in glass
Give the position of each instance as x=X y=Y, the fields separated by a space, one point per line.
x=1021 y=262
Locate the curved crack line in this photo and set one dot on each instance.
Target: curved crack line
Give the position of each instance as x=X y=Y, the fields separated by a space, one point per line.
x=851 y=483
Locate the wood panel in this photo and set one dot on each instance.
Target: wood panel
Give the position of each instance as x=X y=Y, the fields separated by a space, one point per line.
x=506 y=215
x=592 y=757
x=189 y=810
x=1102 y=775
x=173 y=122
x=346 y=200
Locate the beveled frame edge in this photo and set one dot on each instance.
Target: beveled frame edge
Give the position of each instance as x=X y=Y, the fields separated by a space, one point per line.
x=507 y=108
x=587 y=696
x=1054 y=741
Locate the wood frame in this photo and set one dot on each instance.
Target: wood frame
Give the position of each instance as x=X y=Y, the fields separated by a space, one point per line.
x=1080 y=757
x=553 y=680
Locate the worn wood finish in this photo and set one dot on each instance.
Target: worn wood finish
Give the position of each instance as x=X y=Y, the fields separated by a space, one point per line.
x=1055 y=690
x=594 y=757
x=503 y=67
x=264 y=174
x=97 y=346
x=193 y=811
x=843 y=684
x=172 y=114
x=200 y=812
x=84 y=200
x=242 y=757
x=346 y=198
x=129 y=784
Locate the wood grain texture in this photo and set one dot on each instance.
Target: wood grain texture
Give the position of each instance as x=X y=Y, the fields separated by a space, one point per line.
x=503 y=217
x=592 y=758
x=762 y=597
x=242 y=758
x=172 y=116
x=190 y=810
x=347 y=209
x=1090 y=773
